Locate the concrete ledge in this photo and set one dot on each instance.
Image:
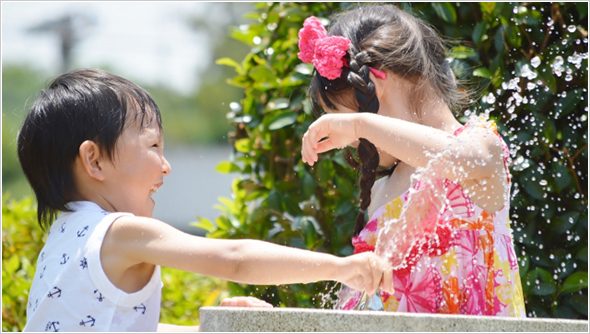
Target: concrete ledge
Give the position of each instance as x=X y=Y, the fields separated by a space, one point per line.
x=238 y=319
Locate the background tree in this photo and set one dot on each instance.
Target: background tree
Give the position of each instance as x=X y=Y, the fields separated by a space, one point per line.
x=528 y=64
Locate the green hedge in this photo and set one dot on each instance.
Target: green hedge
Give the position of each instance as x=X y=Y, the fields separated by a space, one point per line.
x=278 y=198
x=22 y=240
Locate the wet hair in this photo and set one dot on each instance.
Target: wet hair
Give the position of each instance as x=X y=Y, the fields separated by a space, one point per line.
x=384 y=37
x=84 y=104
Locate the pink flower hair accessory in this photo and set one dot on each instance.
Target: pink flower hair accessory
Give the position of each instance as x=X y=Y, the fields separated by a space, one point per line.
x=325 y=52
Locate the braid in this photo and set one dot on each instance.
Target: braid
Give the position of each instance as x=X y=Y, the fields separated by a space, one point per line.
x=364 y=93
x=369 y=162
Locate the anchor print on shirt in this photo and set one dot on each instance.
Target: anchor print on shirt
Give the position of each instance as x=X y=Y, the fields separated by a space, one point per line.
x=42 y=272
x=64 y=258
x=104 y=212
x=62 y=228
x=52 y=326
x=36 y=304
x=84 y=263
x=90 y=321
x=140 y=308
x=55 y=292
x=100 y=297
x=82 y=232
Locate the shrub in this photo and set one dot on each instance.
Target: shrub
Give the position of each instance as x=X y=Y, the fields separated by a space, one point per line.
x=22 y=239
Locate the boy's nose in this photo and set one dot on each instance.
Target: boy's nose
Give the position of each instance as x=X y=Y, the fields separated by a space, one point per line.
x=166 y=168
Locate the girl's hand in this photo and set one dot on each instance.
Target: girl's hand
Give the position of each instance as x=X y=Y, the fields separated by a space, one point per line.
x=338 y=128
x=366 y=272
x=245 y=301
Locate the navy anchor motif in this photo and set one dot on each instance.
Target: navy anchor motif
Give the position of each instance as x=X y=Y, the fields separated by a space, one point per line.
x=52 y=326
x=140 y=308
x=56 y=291
x=100 y=297
x=82 y=232
x=65 y=258
x=62 y=228
x=90 y=321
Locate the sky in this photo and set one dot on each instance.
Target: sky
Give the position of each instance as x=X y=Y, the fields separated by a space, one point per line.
x=150 y=42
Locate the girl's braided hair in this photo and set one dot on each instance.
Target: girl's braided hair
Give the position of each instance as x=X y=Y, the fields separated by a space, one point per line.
x=384 y=37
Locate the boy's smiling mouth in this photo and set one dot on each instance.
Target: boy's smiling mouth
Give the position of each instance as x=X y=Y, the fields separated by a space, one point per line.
x=154 y=189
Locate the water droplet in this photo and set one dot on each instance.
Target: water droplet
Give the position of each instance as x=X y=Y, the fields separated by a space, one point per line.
x=491 y=99
x=543 y=182
x=571 y=28
x=536 y=61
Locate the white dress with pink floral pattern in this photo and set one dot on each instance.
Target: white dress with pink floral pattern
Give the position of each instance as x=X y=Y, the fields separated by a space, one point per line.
x=471 y=269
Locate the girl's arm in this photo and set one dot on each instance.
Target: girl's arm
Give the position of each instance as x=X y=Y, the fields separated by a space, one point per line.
x=474 y=156
x=138 y=240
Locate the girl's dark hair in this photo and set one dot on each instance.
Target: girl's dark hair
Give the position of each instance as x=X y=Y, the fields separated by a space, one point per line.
x=84 y=104
x=384 y=37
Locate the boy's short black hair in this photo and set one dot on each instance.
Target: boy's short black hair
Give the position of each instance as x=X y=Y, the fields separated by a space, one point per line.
x=84 y=104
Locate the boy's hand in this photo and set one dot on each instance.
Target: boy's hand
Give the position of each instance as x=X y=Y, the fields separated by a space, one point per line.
x=366 y=272
x=243 y=301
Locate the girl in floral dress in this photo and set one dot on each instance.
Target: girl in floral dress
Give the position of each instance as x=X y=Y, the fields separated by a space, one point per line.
x=441 y=213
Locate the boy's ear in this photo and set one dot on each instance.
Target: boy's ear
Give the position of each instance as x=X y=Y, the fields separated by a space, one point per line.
x=92 y=162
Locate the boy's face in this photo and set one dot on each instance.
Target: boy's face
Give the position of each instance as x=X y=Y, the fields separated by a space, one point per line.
x=137 y=170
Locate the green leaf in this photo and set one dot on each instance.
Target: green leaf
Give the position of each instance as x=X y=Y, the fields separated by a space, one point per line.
x=308 y=184
x=463 y=52
x=575 y=282
x=227 y=167
x=243 y=145
x=487 y=7
x=568 y=103
x=513 y=36
x=483 y=73
x=583 y=254
x=205 y=224
x=230 y=62
x=282 y=120
x=262 y=74
x=533 y=188
x=582 y=9
x=445 y=11
x=275 y=201
x=278 y=104
x=479 y=32
x=579 y=303
x=546 y=284
x=499 y=40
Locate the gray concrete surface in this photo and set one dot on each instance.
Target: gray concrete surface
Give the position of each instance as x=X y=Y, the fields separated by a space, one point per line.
x=237 y=319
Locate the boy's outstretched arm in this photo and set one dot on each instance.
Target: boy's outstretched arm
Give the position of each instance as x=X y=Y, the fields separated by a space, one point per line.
x=133 y=241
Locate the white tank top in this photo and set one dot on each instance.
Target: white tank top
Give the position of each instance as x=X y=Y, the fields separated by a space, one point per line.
x=71 y=292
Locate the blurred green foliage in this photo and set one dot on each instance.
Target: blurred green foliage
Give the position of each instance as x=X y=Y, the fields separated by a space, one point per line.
x=22 y=240
x=541 y=113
